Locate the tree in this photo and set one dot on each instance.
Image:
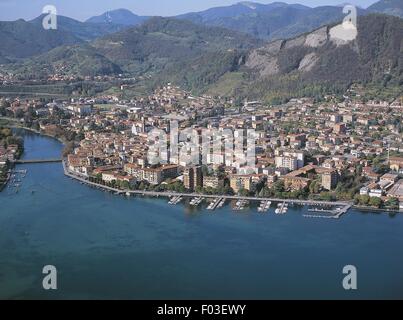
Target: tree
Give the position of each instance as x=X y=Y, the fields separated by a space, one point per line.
x=69 y=148
x=15 y=140
x=243 y=192
x=392 y=203
x=375 y=202
x=125 y=185
x=265 y=192
x=80 y=136
x=362 y=200
x=279 y=186
x=142 y=185
x=314 y=187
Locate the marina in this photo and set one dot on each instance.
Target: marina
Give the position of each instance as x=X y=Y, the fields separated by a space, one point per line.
x=328 y=213
x=15 y=179
x=264 y=206
x=196 y=201
x=282 y=208
x=241 y=205
x=319 y=209
x=175 y=200
x=216 y=203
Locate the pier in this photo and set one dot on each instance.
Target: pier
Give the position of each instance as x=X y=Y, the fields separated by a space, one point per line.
x=196 y=201
x=218 y=202
x=175 y=200
x=241 y=205
x=329 y=214
x=282 y=208
x=264 y=206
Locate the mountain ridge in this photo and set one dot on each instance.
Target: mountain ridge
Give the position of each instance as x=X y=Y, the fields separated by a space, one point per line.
x=22 y=39
x=119 y=16
x=82 y=30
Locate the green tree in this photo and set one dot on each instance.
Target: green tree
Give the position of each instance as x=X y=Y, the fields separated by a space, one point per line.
x=243 y=192
x=375 y=202
x=392 y=203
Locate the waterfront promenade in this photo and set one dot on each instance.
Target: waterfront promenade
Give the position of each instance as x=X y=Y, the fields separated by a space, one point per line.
x=346 y=205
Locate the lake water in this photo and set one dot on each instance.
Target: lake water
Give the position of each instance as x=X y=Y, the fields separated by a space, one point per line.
x=107 y=246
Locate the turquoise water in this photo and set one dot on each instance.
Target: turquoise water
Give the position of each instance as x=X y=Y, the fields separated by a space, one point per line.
x=107 y=246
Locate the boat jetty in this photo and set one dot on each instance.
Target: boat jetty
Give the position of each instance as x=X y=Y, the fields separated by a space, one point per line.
x=282 y=208
x=241 y=205
x=195 y=202
x=216 y=203
x=175 y=200
x=327 y=212
x=264 y=206
x=15 y=180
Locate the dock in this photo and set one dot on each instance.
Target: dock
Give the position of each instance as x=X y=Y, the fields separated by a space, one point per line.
x=282 y=208
x=328 y=214
x=218 y=202
x=175 y=200
x=196 y=201
x=264 y=206
x=240 y=205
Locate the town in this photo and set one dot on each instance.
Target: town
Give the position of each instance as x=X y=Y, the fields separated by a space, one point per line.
x=348 y=149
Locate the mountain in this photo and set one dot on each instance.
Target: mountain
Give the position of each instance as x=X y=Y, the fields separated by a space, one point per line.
x=82 y=30
x=21 y=39
x=277 y=20
x=237 y=10
x=119 y=17
x=317 y=63
x=151 y=48
x=161 y=42
x=268 y=21
x=219 y=61
x=391 y=7
x=312 y=64
x=72 y=60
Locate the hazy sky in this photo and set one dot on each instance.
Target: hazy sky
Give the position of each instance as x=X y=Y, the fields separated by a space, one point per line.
x=83 y=9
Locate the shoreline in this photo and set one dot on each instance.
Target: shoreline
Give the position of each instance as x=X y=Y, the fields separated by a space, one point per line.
x=191 y=195
x=169 y=194
x=61 y=140
x=380 y=210
x=14 y=123
x=15 y=126
x=4 y=184
x=346 y=205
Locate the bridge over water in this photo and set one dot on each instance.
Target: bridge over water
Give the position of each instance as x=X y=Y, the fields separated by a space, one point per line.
x=37 y=161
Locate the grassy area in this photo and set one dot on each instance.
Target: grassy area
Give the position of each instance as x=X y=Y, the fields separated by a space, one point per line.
x=225 y=86
x=372 y=91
